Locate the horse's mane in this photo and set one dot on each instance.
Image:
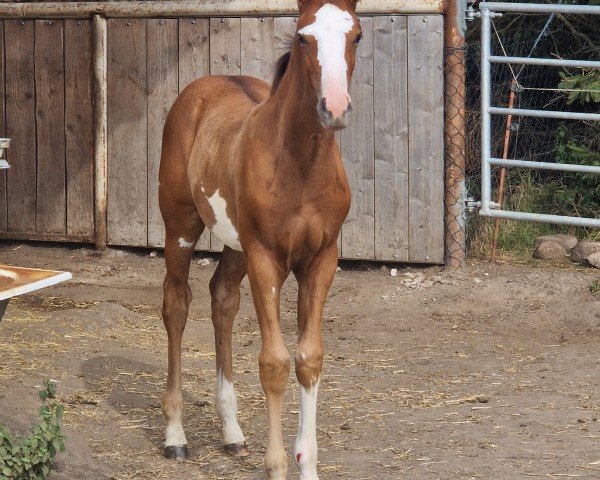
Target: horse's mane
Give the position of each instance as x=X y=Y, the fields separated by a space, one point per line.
x=282 y=63
x=280 y=68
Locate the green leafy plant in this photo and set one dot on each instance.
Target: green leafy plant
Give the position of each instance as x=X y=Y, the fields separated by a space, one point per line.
x=30 y=457
x=594 y=287
x=585 y=86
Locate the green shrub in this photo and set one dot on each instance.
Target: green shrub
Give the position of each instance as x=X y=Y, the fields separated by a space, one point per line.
x=30 y=457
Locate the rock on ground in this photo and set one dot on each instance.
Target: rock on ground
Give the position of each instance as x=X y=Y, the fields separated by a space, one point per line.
x=583 y=250
x=549 y=250
x=594 y=259
x=567 y=241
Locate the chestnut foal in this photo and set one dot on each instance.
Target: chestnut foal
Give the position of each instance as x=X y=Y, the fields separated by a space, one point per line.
x=259 y=166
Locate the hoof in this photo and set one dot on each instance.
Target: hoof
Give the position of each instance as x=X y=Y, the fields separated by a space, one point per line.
x=176 y=452
x=237 y=449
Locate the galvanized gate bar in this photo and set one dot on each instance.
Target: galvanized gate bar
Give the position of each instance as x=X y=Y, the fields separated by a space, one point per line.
x=488 y=207
x=486 y=126
x=542 y=218
x=521 y=112
x=550 y=62
x=538 y=8
x=562 y=167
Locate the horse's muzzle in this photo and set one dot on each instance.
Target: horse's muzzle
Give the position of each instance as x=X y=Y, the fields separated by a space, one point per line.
x=327 y=118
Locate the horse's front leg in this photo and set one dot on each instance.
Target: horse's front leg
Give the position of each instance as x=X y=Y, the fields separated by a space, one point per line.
x=266 y=279
x=313 y=287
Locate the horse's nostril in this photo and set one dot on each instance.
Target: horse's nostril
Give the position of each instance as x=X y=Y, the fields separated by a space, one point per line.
x=324 y=108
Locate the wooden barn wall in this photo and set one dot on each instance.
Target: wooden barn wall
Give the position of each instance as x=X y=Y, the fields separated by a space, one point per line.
x=393 y=150
x=46 y=108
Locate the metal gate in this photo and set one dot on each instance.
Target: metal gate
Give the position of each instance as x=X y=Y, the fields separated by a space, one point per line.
x=489 y=208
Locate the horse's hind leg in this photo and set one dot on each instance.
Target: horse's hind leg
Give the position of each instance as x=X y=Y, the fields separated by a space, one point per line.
x=182 y=232
x=225 y=302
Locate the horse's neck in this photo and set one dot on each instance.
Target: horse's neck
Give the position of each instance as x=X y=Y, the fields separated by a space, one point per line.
x=297 y=122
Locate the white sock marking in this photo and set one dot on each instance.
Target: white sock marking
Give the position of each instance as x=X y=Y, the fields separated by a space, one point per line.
x=305 y=450
x=330 y=29
x=174 y=434
x=183 y=243
x=226 y=403
x=223 y=229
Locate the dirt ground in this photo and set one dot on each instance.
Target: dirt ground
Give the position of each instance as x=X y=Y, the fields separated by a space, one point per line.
x=491 y=372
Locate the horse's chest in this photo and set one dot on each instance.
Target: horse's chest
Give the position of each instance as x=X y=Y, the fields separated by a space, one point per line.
x=307 y=229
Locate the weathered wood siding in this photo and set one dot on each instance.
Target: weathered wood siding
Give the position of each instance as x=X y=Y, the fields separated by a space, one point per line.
x=46 y=108
x=393 y=150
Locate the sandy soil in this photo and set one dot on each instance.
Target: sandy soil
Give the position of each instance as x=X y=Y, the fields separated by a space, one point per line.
x=491 y=373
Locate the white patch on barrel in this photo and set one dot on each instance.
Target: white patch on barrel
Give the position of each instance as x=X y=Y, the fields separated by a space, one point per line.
x=305 y=450
x=226 y=404
x=223 y=229
x=330 y=29
x=183 y=243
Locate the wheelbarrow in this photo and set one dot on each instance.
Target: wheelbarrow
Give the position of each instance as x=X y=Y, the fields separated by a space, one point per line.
x=17 y=280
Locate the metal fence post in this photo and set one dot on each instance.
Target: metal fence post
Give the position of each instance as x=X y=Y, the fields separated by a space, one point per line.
x=454 y=99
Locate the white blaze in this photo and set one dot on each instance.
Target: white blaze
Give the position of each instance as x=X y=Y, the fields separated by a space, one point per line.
x=330 y=29
x=305 y=451
x=223 y=229
x=227 y=410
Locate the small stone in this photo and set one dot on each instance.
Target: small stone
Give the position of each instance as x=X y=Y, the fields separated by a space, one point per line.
x=338 y=269
x=482 y=398
x=394 y=272
x=345 y=426
x=549 y=250
x=153 y=254
x=437 y=279
x=203 y=262
x=427 y=284
x=567 y=241
x=477 y=281
x=583 y=250
x=594 y=259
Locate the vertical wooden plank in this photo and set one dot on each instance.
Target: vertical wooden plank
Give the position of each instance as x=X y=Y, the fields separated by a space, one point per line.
x=127 y=132
x=51 y=214
x=426 y=155
x=20 y=125
x=194 y=62
x=357 y=150
x=225 y=59
x=3 y=205
x=257 y=47
x=163 y=89
x=391 y=138
x=79 y=131
x=100 y=122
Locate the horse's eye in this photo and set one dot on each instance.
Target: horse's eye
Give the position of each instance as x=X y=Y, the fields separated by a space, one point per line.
x=302 y=39
x=358 y=38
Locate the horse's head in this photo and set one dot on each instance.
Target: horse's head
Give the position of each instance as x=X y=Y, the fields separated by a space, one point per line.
x=327 y=37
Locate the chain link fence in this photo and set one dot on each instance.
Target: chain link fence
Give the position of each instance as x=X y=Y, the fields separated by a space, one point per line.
x=455 y=221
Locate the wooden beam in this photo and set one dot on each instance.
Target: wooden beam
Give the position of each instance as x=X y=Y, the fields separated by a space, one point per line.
x=45 y=237
x=193 y=8
x=100 y=131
